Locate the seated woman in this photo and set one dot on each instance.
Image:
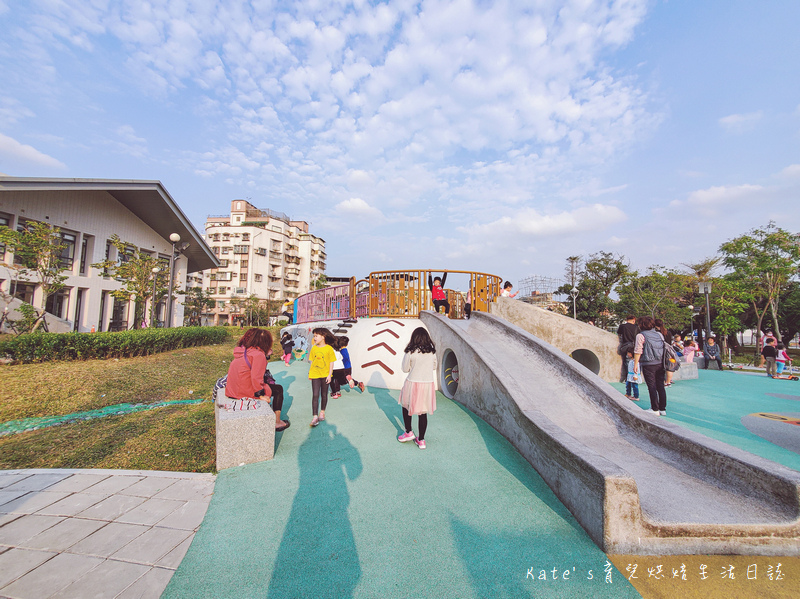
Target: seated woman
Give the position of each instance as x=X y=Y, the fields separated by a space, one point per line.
x=248 y=376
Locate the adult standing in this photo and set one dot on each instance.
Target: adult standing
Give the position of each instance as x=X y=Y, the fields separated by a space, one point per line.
x=626 y=332
x=648 y=358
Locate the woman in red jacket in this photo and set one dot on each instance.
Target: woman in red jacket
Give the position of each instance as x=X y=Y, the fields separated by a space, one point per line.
x=246 y=373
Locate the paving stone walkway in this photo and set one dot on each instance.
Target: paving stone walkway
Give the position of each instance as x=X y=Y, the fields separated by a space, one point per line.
x=96 y=533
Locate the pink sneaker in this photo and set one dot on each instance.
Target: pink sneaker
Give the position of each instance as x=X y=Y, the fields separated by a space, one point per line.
x=420 y=443
x=406 y=437
x=314 y=421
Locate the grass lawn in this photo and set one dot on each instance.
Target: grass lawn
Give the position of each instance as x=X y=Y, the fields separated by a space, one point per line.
x=178 y=438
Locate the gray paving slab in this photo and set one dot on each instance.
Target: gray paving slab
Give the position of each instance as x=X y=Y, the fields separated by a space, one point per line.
x=6 y=518
x=37 y=482
x=153 y=545
x=149 y=486
x=63 y=535
x=106 y=580
x=78 y=482
x=17 y=562
x=173 y=559
x=152 y=584
x=26 y=527
x=187 y=517
x=74 y=533
x=200 y=490
x=109 y=539
x=72 y=505
x=6 y=496
x=32 y=502
x=113 y=484
x=113 y=507
x=151 y=511
x=52 y=576
x=10 y=479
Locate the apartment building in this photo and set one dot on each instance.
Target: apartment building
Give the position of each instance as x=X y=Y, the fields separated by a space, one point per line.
x=262 y=253
x=87 y=213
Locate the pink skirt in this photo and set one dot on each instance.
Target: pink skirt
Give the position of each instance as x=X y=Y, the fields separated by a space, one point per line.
x=418 y=398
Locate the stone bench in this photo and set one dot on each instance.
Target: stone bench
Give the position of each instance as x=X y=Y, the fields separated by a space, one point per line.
x=243 y=436
x=687 y=371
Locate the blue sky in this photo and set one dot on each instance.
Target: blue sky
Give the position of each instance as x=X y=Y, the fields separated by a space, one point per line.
x=495 y=136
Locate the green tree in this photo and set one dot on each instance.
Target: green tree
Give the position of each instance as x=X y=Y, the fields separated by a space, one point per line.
x=765 y=259
x=196 y=301
x=661 y=293
x=790 y=310
x=38 y=259
x=729 y=299
x=134 y=270
x=597 y=278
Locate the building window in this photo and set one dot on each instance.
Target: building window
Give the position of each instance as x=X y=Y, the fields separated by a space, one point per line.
x=57 y=303
x=215 y=250
x=4 y=222
x=220 y=305
x=245 y=236
x=244 y=263
x=241 y=249
x=84 y=255
x=212 y=290
x=261 y=251
x=223 y=263
x=242 y=276
x=67 y=257
x=258 y=278
x=24 y=292
x=226 y=250
x=221 y=276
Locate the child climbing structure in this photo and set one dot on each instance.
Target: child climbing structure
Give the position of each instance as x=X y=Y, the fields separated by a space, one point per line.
x=637 y=484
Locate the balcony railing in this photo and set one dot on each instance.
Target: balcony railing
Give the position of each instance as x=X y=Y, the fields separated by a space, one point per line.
x=397 y=294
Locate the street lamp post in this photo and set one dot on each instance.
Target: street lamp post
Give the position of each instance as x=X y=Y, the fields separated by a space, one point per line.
x=691 y=321
x=705 y=288
x=574 y=293
x=156 y=270
x=174 y=238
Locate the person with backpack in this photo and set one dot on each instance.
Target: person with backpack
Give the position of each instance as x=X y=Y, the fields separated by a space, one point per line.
x=648 y=359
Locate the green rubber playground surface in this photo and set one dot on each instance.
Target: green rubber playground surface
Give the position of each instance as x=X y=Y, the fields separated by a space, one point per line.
x=344 y=510
x=716 y=404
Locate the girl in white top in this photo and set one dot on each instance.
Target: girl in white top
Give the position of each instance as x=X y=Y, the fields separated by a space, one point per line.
x=418 y=395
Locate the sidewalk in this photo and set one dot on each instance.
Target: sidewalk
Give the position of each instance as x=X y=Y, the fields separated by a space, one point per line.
x=96 y=533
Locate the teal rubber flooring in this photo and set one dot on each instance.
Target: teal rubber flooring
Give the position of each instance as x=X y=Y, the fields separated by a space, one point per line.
x=730 y=405
x=344 y=510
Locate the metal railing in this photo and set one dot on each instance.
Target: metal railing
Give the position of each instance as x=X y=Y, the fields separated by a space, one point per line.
x=397 y=294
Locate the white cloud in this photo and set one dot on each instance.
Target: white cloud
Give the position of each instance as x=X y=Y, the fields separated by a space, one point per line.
x=529 y=222
x=792 y=171
x=720 y=199
x=740 y=122
x=25 y=156
x=357 y=208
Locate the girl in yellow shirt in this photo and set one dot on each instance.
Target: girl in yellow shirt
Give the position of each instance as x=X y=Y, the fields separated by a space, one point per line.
x=321 y=358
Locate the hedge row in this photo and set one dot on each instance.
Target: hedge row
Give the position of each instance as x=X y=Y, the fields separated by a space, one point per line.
x=42 y=347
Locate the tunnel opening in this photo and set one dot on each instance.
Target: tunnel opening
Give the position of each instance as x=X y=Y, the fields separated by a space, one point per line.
x=587 y=358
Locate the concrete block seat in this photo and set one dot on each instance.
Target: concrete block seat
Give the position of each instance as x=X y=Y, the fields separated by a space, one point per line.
x=244 y=436
x=637 y=483
x=688 y=370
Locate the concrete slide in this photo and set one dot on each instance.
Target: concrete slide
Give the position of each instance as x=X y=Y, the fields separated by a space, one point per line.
x=636 y=482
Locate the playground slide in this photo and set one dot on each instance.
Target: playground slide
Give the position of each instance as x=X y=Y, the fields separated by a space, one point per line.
x=636 y=482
